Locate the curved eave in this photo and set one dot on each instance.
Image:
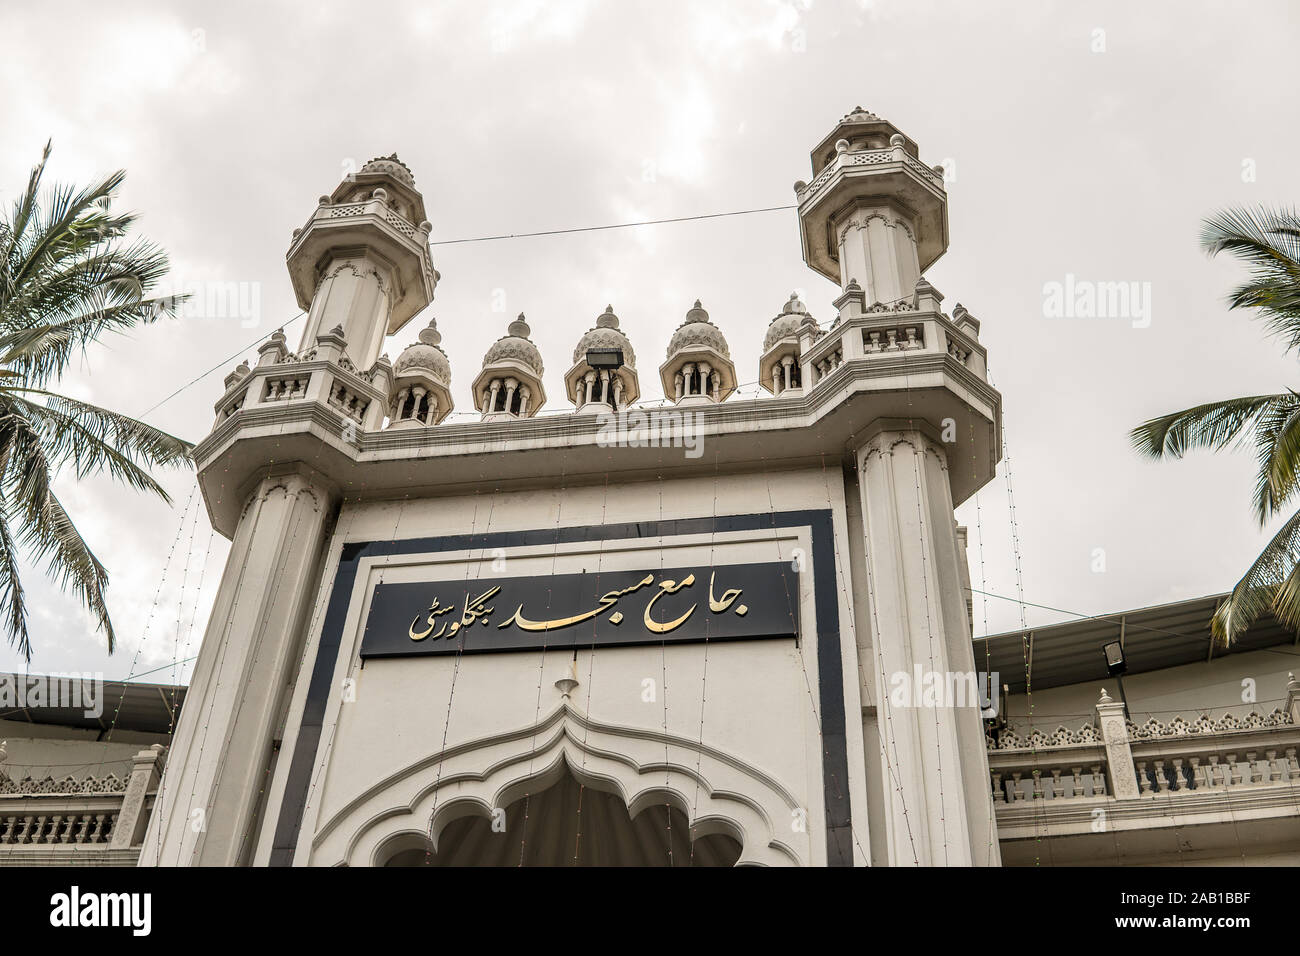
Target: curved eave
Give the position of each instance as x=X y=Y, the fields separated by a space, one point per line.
x=820 y=427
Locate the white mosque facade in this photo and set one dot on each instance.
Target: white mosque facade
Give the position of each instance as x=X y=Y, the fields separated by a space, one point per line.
x=621 y=635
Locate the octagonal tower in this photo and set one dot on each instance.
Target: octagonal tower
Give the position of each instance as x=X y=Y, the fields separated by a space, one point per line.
x=873 y=211
x=362 y=260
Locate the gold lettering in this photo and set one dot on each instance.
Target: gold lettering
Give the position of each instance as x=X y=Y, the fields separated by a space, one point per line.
x=434 y=611
x=668 y=587
x=717 y=606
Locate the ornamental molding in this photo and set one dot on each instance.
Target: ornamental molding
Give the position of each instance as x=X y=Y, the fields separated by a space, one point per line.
x=642 y=767
x=883 y=444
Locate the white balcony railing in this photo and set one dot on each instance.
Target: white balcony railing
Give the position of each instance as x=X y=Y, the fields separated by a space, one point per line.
x=91 y=821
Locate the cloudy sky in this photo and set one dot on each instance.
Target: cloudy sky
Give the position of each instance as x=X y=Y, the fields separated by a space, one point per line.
x=1083 y=140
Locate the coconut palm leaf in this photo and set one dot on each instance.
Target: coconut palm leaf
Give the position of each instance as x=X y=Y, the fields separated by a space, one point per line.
x=67 y=277
x=1277 y=451
x=1214 y=425
x=1272 y=583
x=1268 y=242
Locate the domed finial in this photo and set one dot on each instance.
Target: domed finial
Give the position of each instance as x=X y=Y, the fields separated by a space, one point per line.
x=897 y=140
x=1105 y=697
x=519 y=328
x=697 y=313
x=607 y=319
x=430 y=335
x=793 y=304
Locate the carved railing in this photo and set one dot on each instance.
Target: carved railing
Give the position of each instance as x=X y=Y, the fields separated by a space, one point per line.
x=869 y=157
x=375 y=207
x=92 y=819
x=59 y=819
x=1175 y=757
x=323 y=374
x=901 y=330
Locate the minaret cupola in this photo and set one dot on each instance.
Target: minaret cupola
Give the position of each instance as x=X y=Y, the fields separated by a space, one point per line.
x=789 y=336
x=509 y=385
x=604 y=368
x=698 y=369
x=362 y=262
x=421 y=390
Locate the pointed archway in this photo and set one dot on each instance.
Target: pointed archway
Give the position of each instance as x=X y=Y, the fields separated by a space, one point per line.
x=568 y=824
x=694 y=790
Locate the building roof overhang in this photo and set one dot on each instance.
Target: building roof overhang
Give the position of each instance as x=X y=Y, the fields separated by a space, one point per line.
x=1167 y=635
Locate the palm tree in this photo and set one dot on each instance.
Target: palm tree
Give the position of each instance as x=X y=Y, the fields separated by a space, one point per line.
x=1268 y=242
x=66 y=278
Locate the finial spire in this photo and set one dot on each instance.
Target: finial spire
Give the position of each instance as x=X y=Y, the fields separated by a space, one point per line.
x=430 y=335
x=519 y=327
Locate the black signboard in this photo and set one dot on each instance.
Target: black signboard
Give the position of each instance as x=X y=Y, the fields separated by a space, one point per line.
x=598 y=609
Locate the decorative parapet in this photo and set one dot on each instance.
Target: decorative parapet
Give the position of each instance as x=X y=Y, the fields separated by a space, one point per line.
x=849 y=159
x=322 y=373
x=53 y=820
x=1177 y=726
x=1112 y=758
x=886 y=332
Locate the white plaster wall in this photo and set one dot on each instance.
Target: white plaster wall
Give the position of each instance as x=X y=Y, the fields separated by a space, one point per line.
x=762 y=696
x=59 y=752
x=1187 y=690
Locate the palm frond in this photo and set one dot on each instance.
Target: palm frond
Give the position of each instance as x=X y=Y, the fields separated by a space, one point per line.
x=1255 y=593
x=48 y=533
x=67 y=277
x=11 y=590
x=1277 y=451
x=1213 y=425
x=1268 y=242
x=97 y=439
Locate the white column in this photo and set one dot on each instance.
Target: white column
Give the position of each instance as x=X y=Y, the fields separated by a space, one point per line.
x=223 y=752
x=938 y=808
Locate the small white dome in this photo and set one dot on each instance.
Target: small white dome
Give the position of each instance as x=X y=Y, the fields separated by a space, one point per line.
x=606 y=335
x=516 y=346
x=794 y=318
x=393 y=167
x=698 y=330
x=425 y=354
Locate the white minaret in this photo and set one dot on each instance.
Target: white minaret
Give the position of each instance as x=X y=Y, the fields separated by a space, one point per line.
x=362 y=261
x=872 y=219
x=361 y=269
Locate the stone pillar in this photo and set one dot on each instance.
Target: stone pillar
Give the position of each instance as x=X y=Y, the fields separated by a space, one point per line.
x=938 y=807
x=1119 y=756
x=132 y=820
x=223 y=751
